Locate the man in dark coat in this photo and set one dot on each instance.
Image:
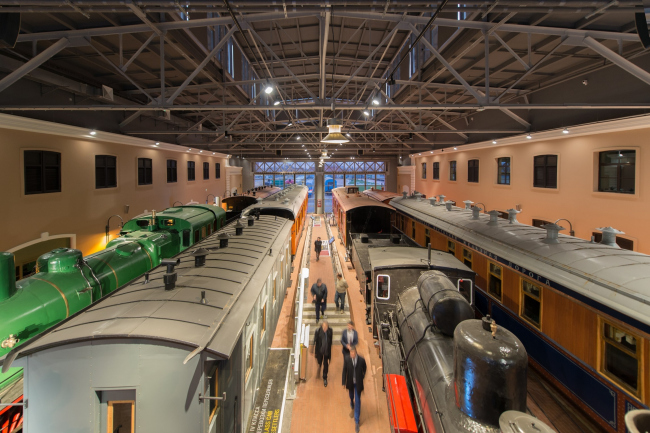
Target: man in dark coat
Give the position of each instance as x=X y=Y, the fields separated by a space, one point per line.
x=318 y=245
x=319 y=290
x=349 y=338
x=354 y=371
x=323 y=349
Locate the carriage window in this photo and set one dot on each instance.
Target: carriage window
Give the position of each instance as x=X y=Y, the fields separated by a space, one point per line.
x=531 y=303
x=196 y=236
x=494 y=280
x=274 y=288
x=413 y=229
x=467 y=258
x=263 y=319
x=249 y=358
x=451 y=247
x=620 y=357
x=465 y=289
x=383 y=287
x=121 y=416
x=427 y=237
x=186 y=238
x=203 y=232
x=214 y=391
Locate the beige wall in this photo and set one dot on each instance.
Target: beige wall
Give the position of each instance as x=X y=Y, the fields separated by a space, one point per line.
x=576 y=197
x=81 y=209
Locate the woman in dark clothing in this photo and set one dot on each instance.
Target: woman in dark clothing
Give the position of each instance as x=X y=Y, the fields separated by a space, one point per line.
x=323 y=348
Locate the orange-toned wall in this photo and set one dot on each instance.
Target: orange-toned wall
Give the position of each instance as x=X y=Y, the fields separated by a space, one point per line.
x=81 y=209
x=576 y=197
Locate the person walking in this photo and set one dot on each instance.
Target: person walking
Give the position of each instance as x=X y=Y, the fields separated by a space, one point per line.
x=319 y=290
x=323 y=349
x=318 y=245
x=354 y=371
x=349 y=339
x=341 y=290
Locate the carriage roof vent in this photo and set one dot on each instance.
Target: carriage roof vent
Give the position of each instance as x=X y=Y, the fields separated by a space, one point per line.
x=494 y=218
x=468 y=204
x=441 y=199
x=404 y=194
x=449 y=205
x=512 y=215
x=476 y=211
x=609 y=236
x=418 y=196
x=552 y=231
x=433 y=201
x=285 y=201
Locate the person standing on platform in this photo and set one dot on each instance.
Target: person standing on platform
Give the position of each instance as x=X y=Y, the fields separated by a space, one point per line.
x=318 y=245
x=349 y=339
x=323 y=349
x=341 y=290
x=354 y=371
x=319 y=290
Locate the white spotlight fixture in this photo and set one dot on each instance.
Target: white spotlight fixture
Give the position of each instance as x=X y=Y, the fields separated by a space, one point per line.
x=455 y=148
x=334 y=136
x=268 y=89
x=565 y=131
x=348 y=135
x=290 y=124
x=494 y=142
x=419 y=154
x=298 y=138
x=375 y=101
x=277 y=101
x=529 y=136
x=93 y=132
x=366 y=112
x=303 y=145
x=189 y=150
x=157 y=144
x=214 y=153
x=200 y=151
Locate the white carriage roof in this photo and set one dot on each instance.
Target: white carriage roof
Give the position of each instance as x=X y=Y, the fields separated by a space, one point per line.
x=401 y=257
x=232 y=279
x=290 y=199
x=613 y=280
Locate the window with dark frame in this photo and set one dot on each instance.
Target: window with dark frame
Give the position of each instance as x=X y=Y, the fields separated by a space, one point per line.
x=545 y=171
x=472 y=170
x=467 y=257
x=495 y=274
x=105 y=171
x=503 y=171
x=452 y=170
x=145 y=171
x=217 y=170
x=191 y=171
x=531 y=303
x=42 y=172
x=171 y=171
x=626 y=244
x=206 y=170
x=436 y=170
x=616 y=170
x=620 y=356
x=451 y=248
x=540 y=223
x=424 y=170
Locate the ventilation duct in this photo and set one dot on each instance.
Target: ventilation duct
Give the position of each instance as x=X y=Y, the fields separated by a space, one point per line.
x=494 y=218
x=552 y=231
x=512 y=215
x=468 y=204
x=449 y=205
x=441 y=199
x=476 y=211
x=609 y=236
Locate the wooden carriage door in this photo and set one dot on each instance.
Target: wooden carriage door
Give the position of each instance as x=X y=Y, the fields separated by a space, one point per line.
x=121 y=416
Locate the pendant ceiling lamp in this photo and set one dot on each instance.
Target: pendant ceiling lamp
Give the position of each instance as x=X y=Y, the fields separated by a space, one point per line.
x=334 y=136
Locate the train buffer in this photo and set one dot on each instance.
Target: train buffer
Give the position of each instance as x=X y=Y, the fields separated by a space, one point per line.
x=268 y=409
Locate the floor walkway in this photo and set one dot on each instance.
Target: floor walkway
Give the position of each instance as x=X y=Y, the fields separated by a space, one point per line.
x=318 y=409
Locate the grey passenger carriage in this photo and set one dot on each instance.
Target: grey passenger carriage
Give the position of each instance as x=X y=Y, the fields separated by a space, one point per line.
x=159 y=353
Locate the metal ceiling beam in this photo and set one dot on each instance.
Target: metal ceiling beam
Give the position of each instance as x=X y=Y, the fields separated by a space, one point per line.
x=619 y=61
x=202 y=65
x=323 y=53
x=319 y=130
x=343 y=107
x=479 y=25
x=34 y=63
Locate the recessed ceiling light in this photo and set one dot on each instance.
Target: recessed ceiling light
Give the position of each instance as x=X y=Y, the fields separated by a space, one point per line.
x=565 y=131
x=93 y=132
x=529 y=136
x=494 y=142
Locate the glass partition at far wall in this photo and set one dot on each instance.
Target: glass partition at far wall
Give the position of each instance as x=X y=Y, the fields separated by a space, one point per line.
x=370 y=180
x=339 y=180
x=327 y=196
x=279 y=180
x=361 y=182
x=349 y=179
x=268 y=180
x=259 y=180
x=310 y=181
x=300 y=179
x=288 y=180
x=380 y=181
